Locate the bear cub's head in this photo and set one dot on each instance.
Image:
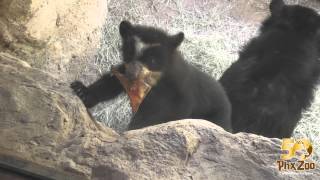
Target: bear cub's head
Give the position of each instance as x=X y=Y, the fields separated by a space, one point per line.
x=145 y=47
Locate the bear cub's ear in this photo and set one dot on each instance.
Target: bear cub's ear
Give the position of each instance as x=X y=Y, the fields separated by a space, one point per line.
x=176 y=40
x=276 y=7
x=125 y=29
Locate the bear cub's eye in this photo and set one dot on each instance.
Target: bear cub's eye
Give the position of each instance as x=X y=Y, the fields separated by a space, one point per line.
x=153 y=61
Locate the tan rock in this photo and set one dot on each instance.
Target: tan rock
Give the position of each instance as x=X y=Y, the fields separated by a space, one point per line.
x=43 y=122
x=51 y=29
x=37 y=123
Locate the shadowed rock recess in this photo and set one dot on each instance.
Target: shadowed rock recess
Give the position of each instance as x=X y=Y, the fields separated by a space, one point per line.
x=42 y=122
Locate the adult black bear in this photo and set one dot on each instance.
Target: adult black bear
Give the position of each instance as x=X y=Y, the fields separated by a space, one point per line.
x=181 y=91
x=273 y=80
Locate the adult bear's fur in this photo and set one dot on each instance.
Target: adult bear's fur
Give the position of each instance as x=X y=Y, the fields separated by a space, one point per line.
x=273 y=80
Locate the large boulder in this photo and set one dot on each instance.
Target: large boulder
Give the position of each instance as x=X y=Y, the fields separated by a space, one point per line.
x=49 y=33
x=40 y=118
x=42 y=122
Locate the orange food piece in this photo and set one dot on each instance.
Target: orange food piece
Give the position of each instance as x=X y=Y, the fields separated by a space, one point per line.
x=136 y=89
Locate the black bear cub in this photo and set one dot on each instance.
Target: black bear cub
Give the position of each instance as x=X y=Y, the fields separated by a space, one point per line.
x=180 y=91
x=273 y=80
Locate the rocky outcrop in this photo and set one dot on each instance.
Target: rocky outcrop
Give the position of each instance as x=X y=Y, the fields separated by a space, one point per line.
x=40 y=118
x=51 y=31
x=43 y=122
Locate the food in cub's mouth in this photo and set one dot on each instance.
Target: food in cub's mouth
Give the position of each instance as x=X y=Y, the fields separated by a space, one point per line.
x=137 y=89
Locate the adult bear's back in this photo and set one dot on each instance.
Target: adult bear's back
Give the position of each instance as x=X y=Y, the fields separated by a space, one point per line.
x=273 y=80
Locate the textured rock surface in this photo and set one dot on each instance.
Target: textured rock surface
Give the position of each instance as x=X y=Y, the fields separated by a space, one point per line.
x=41 y=121
x=51 y=31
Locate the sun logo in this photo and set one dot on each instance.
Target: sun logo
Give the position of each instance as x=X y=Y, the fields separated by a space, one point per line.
x=294 y=152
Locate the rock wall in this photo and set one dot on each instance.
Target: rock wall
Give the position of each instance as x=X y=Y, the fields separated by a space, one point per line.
x=43 y=122
x=50 y=33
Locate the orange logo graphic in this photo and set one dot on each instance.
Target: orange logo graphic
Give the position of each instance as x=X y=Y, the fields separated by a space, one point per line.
x=294 y=154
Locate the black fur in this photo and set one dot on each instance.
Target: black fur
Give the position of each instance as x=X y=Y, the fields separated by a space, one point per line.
x=273 y=80
x=182 y=91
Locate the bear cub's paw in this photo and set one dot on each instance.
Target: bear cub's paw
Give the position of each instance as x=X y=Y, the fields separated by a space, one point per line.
x=82 y=92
